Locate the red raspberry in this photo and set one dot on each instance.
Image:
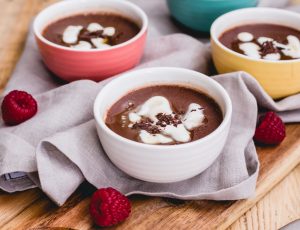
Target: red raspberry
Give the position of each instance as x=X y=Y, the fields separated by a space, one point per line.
x=17 y=107
x=109 y=207
x=270 y=130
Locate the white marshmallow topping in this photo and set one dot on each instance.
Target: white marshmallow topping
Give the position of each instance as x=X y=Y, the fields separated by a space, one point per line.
x=160 y=105
x=70 y=35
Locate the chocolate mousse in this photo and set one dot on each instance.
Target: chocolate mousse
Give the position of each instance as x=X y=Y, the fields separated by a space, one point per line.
x=263 y=41
x=164 y=115
x=91 y=31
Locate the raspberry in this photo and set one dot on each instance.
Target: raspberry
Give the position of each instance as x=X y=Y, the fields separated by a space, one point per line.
x=270 y=130
x=17 y=107
x=109 y=207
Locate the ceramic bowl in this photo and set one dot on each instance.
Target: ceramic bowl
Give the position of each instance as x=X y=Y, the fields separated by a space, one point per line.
x=279 y=78
x=70 y=64
x=157 y=163
x=200 y=14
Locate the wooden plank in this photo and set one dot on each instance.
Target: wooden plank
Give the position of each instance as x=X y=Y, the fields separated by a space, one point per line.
x=44 y=213
x=13 y=205
x=277 y=208
x=15 y=18
x=32 y=209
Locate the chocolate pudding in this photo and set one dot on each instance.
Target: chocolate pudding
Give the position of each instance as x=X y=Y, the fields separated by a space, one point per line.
x=91 y=31
x=263 y=41
x=164 y=115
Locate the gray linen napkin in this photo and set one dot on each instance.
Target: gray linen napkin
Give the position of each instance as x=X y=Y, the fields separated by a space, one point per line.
x=59 y=148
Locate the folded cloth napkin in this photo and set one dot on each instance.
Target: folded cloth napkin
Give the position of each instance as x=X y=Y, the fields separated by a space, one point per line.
x=58 y=148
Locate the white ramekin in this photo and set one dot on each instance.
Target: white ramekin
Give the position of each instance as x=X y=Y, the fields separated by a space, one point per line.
x=156 y=163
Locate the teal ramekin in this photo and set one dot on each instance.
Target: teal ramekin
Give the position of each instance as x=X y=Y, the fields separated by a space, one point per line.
x=198 y=15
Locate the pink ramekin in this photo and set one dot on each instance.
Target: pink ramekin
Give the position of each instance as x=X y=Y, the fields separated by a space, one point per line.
x=70 y=64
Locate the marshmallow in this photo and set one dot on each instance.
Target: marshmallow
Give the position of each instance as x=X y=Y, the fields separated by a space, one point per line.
x=262 y=40
x=93 y=27
x=133 y=117
x=272 y=57
x=178 y=133
x=109 y=31
x=99 y=43
x=280 y=46
x=153 y=139
x=82 y=45
x=250 y=49
x=170 y=133
x=154 y=106
x=293 y=49
x=245 y=37
x=70 y=35
x=193 y=117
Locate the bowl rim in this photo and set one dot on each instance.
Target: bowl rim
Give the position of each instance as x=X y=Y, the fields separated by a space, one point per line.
x=137 y=9
x=226 y=119
x=264 y=10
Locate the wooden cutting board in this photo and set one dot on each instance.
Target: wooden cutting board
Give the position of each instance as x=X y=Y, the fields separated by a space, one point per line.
x=33 y=210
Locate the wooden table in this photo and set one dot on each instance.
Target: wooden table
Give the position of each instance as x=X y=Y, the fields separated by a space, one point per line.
x=32 y=209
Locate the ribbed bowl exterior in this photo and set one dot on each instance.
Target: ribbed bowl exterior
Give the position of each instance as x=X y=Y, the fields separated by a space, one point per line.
x=200 y=14
x=279 y=78
x=71 y=65
x=164 y=165
x=158 y=163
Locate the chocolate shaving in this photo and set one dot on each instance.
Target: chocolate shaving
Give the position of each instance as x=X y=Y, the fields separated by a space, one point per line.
x=164 y=120
x=147 y=125
x=129 y=106
x=268 y=48
x=85 y=35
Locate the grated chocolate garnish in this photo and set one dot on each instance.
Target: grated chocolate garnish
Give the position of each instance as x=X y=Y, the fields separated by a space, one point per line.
x=268 y=48
x=129 y=106
x=147 y=125
x=164 y=120
x=85 y=35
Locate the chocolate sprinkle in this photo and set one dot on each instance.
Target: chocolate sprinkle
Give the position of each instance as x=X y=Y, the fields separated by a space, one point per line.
x=268 y=48
x=147 y=125
x=85 y=35
x=164 y=120
x=129 y=106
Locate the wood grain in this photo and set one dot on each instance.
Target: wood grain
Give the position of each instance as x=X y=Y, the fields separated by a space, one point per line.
x=33 y=210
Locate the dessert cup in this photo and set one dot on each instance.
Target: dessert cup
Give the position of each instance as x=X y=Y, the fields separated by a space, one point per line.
x=279 y=78
x=71 y=64
x=200 y=14
x=162 y=163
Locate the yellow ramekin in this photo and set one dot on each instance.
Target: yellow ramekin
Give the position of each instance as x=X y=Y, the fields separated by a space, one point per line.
x=279 y=78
